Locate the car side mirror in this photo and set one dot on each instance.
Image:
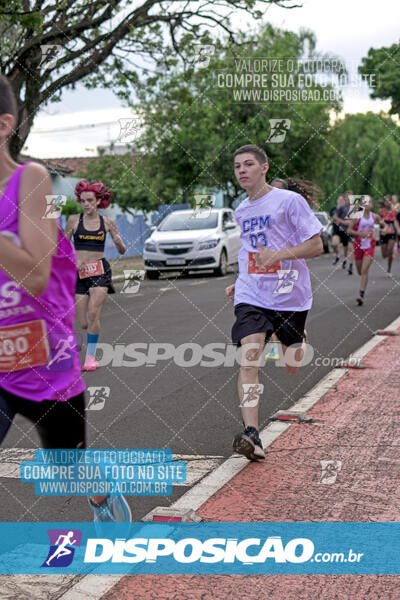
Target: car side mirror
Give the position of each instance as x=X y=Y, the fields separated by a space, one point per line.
x=229 y=226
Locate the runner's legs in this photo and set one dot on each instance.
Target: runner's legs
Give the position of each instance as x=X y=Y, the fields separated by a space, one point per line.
x=365 y=265
x=81 y=309
x=252 y=350
x=96 y=300
x=390 y=247
x=335 y=244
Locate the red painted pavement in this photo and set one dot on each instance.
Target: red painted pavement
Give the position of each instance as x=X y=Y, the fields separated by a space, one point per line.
x=357 y=423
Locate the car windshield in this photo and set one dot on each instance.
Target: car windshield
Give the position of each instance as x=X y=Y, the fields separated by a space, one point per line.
x=177 y=221
x=321 y=218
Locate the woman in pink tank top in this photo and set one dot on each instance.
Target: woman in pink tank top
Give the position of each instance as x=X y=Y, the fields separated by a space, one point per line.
x=39 y=361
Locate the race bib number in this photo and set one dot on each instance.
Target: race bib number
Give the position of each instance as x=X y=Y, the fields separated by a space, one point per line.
x=91 y=269
x=366 y=242
x=23 y=346
x=254 y=269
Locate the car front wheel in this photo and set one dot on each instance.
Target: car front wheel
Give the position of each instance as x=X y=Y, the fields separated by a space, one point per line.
x=222 y=268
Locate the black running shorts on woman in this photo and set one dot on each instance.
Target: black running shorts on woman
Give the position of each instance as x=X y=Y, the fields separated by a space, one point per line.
x=59 y=424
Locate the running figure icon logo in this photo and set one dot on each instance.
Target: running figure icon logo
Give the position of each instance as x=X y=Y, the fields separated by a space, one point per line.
x=61 y=551
x=203 y=203
x=132 y=281
x=251 y=394
x=128 y=129
x=330 y=471
x=279 y=129
x=97 y=397
x=50 y=53
x=286 y=281
x=202 y=54
x=54 y=204
x=357 y=206
x=63 y=353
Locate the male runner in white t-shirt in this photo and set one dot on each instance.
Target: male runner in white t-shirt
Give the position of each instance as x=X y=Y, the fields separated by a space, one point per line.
x=272 y=293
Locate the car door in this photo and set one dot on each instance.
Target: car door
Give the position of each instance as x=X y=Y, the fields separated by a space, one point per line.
x=232 y=233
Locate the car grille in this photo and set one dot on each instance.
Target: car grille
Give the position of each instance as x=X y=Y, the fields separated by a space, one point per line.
x=175 y=249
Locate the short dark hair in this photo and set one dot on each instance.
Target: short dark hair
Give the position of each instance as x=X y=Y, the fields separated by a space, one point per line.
x=257 y=152
x=8 y=103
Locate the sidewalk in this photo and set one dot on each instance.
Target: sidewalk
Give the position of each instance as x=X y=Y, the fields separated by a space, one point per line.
x=357 y=422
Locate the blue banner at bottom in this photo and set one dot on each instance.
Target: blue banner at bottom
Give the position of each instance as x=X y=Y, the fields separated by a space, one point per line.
x=200 y=548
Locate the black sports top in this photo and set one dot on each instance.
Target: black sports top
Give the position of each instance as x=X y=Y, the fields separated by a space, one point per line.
x=85 y=239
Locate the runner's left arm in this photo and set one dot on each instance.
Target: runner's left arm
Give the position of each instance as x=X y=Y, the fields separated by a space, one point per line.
x=119 y=244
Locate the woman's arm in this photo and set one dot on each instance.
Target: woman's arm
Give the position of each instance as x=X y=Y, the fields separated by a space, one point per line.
x=112 y=228
x=70 y=227
x=30 y=265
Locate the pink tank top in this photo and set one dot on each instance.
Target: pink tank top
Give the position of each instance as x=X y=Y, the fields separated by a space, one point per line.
x=39 y=357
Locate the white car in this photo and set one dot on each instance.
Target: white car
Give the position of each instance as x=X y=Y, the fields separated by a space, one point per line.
x=193 y=240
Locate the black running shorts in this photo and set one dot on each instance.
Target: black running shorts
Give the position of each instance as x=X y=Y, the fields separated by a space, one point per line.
x=384 y=239
x=288 y=326
x=59 y=424
x=105 y=280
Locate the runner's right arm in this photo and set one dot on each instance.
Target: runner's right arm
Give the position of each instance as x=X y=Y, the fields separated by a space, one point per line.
x=30 y=265
x=230 y=291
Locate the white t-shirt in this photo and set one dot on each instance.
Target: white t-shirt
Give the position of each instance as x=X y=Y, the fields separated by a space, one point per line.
x=280 y=219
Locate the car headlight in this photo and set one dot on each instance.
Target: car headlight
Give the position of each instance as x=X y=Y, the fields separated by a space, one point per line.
x=150 y=247
x=208 y=244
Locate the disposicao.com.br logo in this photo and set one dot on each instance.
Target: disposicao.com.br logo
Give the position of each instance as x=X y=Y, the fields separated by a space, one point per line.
x=247 y=551
x=200 y=548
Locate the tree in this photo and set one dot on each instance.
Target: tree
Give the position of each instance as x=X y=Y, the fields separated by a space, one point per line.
x=124 y=178
x=361 y=154
x=50 y=45
x=384 y=65
x=191 y=126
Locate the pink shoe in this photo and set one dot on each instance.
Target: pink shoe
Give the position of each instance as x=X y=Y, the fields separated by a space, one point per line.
x=91 y=364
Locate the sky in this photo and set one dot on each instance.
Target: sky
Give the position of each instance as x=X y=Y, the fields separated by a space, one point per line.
x=347 y=28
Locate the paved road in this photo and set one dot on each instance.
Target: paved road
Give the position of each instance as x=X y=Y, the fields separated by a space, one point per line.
x=193 y=410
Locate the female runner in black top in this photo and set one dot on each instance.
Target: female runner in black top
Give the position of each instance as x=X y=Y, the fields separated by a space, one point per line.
x=94 y=272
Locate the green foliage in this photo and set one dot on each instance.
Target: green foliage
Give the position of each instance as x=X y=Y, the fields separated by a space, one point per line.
x=71 y=207
x=125 y=180
x=192 y=126
x=361 y=154
x=384 y=64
